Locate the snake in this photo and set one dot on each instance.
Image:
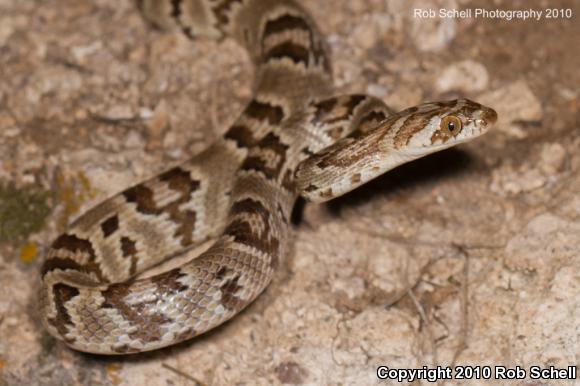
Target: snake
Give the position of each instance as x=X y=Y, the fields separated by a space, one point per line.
x=295 y=137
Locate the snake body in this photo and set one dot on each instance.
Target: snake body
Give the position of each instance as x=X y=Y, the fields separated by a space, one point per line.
x=293 y=138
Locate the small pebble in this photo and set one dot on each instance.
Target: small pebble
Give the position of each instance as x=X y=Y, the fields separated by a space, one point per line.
x=466 y=76
x=552 y=158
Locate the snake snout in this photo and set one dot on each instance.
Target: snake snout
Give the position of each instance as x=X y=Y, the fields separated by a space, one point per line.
x=487 y=117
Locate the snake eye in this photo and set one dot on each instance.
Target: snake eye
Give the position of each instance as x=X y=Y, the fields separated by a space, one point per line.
x=451 y=124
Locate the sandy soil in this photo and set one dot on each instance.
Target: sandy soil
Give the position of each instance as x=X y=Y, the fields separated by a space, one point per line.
x=468 y=257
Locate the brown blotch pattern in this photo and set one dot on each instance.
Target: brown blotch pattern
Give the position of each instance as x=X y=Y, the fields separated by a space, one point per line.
x=110 y=226
x=324 y=109
x=176 y=14
x=295 y=52
x=337 y=109
x=243 y=232
x=168 y=282
x=229 y=299
x=312 y=55
x=242 y=135
x=288 y=181
x=369 y=122
x=265 y=112
x=62 y=294
x=72 y=244
x=142 y=196
x=59 y=263
x=176 y=9
x=352 y=101
x=260 y=156
x=179 y=180
x=222 y=272
x=253 y=224
x=129 y=250
x=149 y=325
x=284 y=23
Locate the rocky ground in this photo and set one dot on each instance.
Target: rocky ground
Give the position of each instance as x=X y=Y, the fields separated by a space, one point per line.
x=468 y=257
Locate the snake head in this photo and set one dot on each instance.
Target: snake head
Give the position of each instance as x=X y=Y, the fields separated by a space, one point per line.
x=436 y=126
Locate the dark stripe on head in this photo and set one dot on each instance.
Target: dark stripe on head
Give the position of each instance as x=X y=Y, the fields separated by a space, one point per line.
x=412 y=125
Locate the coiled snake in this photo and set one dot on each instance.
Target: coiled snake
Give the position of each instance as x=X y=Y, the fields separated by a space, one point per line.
x=293 y=138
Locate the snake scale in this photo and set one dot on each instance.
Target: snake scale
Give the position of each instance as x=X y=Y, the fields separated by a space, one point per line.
x=293 y=138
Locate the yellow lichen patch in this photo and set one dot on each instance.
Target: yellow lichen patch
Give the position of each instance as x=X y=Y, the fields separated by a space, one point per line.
x=22 y=211
x=113 y=373
x=28 y=252
x=86 y=188
x=72 y=192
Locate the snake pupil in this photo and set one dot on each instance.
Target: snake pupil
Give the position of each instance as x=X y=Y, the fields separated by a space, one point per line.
x=451 y=126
